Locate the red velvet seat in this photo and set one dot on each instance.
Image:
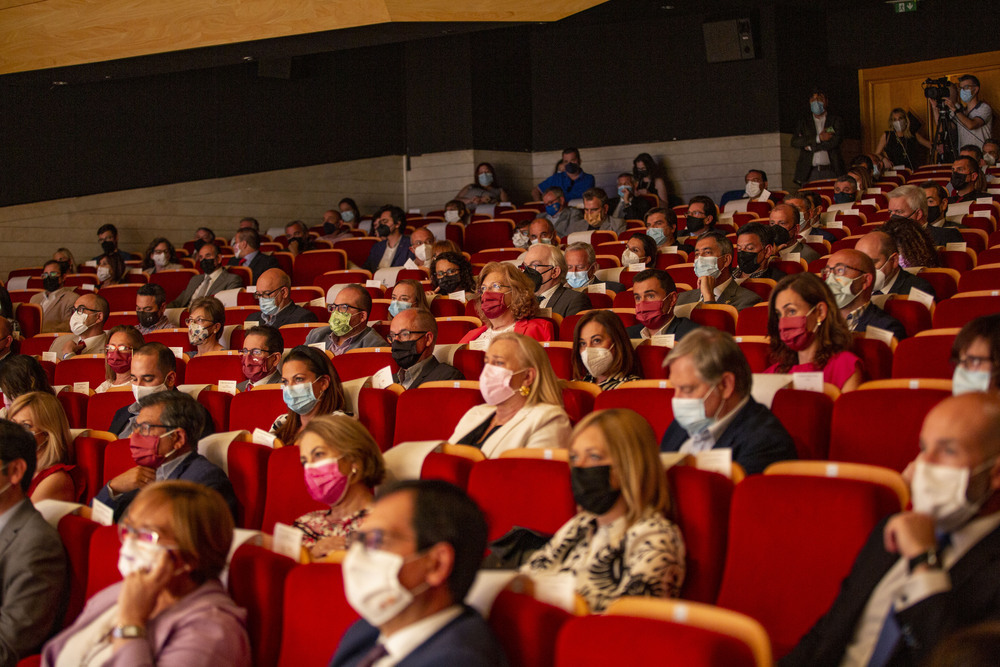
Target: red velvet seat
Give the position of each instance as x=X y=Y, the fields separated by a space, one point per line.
x=577 y=402
x=214 y=366
x=362 y=362
x=913 y=315
x=287 y=497
x=312 y=263
x=247 y=473
x=700 y=507
x=75 y=533
x=926 y=356
x=120 y=297
x=172 y=282
x=526 y=628
x=419 y=415
x=876 y=355
x=469 y=362
x=75 y=406
x=807 y=416
x=257 y=408
x=377 y=413
x=257 y=583
x=316 y=615
x=101 y=408
x=87 y=368
x=102 y=561
x=488 y=234
x=653 y=403
x=753 y=321
x=447 y=467
x=117 y=459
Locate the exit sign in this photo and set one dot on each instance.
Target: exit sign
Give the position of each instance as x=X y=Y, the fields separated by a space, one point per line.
x=905 y=6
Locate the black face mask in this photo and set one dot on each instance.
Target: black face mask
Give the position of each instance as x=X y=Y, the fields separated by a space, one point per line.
x=148 y=319
x=695 y=225
x=592 y=488
x=958 y=180
x=449 y=284
x=534 y=276
x=382 y=231
x=933 y=213
x=747 y=261
x=405 y=352
x=572 y=168
x=207 y=266
x=842 y=198
x=641 y=173
x=50 y=283
x=108 y=247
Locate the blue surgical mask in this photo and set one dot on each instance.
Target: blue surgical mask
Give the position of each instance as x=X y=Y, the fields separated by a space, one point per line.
x=707 y=266
x=396 y=306
x=657 y=234
x=577 y=279
x=347 y=216
x=690 y=413
x=964 y=381
x=268 y=305
x=552 y=208
x=966 y=95
x=485 y=179
x=623 y=190
x=817 y=107
x=299 y=398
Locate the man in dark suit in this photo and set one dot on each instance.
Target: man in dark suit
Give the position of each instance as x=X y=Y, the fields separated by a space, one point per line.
x=755 y=252
x=409 y=570
x=713 y=408
x=581 y=269
x=6 y=341
x=32 y=559
x=850 y=275
x=164 y=446
x=262 y=350
x=273 y=294
x=246 y=247
x=716 y=284
x=655 y=296
x=212 y=280
x=549 y=261
x=890 y=279
x=412 y=335
x=924 y=574
x=818 y=136
x=910 y=201
x=393 y=249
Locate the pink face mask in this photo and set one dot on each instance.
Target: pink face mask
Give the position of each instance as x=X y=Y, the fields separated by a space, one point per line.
x=145 y=448
x=493 y=304
x=794 y=331
x=325 y=482
x=119 y=362
x=494 y=384
x=650 y=315
x=254 y=370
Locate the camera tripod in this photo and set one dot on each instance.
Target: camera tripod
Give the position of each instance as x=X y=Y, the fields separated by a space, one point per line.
x=944 y=136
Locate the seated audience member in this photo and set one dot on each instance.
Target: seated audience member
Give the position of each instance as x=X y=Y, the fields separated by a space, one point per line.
x=297 y=235
x=755 y=254
x=111 y=270
x=171 y=605
x=640 y=249
x=393 y=249
x=407 y=294
x=485 y=190
x=603 y=354
x=204 y=235
x=661 y=226
x=596 y=213
x=205 y=324
x=541 y=230
x=107 y=237
x=246 y=252
x=628 y=205
x=8 y=346
x=975 y=646
x=925 y=573
x=581 y=269
x=808 y=333
x=900 y=144
x=910 y=201
x=845 y=190
x=937 y=205
x=311 y=388
x=444 y=245
x=455 y=210
x=850 y=275
x=571 y=179
x=425 y=573
x=33 y=566
x=160 y=256
x=348 y=326
x=274 y=296
x=248 y=223
x=507 y=303
x=565 y=219
x=889 y=279
x=713 y=261
x=649 y=178
x=349 y=212
x=56 y=300
x=546 y=265
x=413 y=334
x=422 y=246
x=620 y=543
x=66 y=260
x=86 y=327
x=123 y=340
x=153 y=370
x=786 y=216
x=966 y=179
x=755 y=187
x=341 y=465
x=261 y=354
x=335 y=227
x=451 y=272
x=861 y=172
x=655 y=297
x=41 y=414
x=523 y=406
x=914 y=243
x=164 y=446
x=713 y=408
x=213 y=279
x=519 y=239
x=22 y=375
x=701 y=216
x=151 y=309
x=976 y=356
x=810 y=205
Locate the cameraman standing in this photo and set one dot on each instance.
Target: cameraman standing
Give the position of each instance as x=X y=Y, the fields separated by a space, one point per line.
x=973 y=118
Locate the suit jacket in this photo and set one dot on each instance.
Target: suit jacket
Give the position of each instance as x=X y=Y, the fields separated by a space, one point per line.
x=194 y=468
x=433 y=371
x=566 y=301
x=258 y=265
x=733 y=295
x=367 y=338
x=906 y=280
x=678 y=327
x=805 y=135
x=974 y=597
x=273 y=378
x=466 y=640
x=944 y=235
x=33 y=581
x=567 y=220
x=124 y=414
x=225 y=281
x=398 y=258
x=96 y=346
x=543 y=426
x=755 y=435
x=876 y=317
x=609 y=286
x=290 y=314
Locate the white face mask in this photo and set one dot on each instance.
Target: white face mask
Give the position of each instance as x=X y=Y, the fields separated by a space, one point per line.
x=139 y=392
x=371 y=584
x=841 y=288
x=630 y=257
x=941 y=492
x=452 y=216
x=160 y=259
x=964 y=381
x=422 y=252
x=899 y=125
x=78 y=323
x=520 y=239
x=690 y=413
x=103 y=273
x=753 y=189
x=707 y=266
x=598 y=360
x=137 y=556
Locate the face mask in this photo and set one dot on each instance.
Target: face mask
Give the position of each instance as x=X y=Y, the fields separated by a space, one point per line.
x=903 y=264
x=382 y=231
x=841 y=288
x=690 y=413
x=817 y=107
x=160 y=259
x=494 y=384
x=899 y=125
x=254 y=370
x=630 y=257
x=78 y=323
x=452 y=216
x=347 y=216
x=422 y=252
x=843 y=198
x=657 y=234
x=535 y=276
x=119 y=362
x=148 y=319
x=933 y=213
x=238 y=251
x=650 y=315
x=140 y=392
x=520 y=239
x=707 y=266
x=449 y=284
x=493 y=304
x=577 y=279
x=964 y=381
x=136 y=556
x=64 y=265
x=942 y=493
x=624 y=190
x=108 y=247
x=145 y=449
x=747 y=261
x=957 y=180
x=641 y=173
x=405 y=353
x=485 y=179
x=544 y=240
x=103 y=273
x=794 y=331
x=268 y=305
x=879 y=281
x=753 y=189
x=553 y=208
x=50 y=283
x=299 y=398
x=396 y=307
x=965 y=95
x=572 y=168
x=371 y=584
x=598 y=360
x=877 y=172
x=340 y=323
x=198 y=334
x=988 y=158
x=592 y=488
x=695 y=225
x=325 y=482
x=207 y=266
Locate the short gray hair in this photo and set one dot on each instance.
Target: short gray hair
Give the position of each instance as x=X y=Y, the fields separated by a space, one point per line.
x=714 y=352
x=586 y=247
x=180 y=411
x=916 y=198
x=557 y=258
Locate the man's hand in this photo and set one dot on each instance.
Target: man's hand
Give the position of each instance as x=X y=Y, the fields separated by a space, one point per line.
x=135 y=478
x=948 y=102
x=909 y=534
x=707 y=286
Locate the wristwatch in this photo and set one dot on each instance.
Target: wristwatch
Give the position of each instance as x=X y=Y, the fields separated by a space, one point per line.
x=931 y=558
x=128 y=632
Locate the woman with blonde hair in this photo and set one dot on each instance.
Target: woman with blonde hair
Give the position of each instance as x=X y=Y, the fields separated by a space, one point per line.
x=42 y=415
x=900 y=145
x=523 y=406
x=65 y=259
x=407 y=294
x=507 y=303
x=621 y=542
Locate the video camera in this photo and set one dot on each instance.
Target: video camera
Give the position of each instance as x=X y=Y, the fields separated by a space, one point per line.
x=937 y=89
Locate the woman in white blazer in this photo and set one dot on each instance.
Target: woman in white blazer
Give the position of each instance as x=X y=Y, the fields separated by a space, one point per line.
x=523 y=401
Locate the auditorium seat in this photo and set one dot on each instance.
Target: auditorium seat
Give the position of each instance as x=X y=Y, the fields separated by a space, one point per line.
x=247 y=471
x=683 y=273
x=913 y=315
x=117 y=459
x=29 y=318
x=985 y=277
x=172 y=282
x=926 y=355
x=257 y=408
x=363 y=361
x=101 y=408
x=943 y=280
x=717 y=315
x=173 y=337
x=102 y=561
x=257 y=583
x=38 y=344
x=442 y=307
x=377 y=413
x=211 y=367
x=87 y=368
x=316 y=615
x=757 y=350
x=75 y=533
x=419 y=415
x=450 y=468
x=488 y=234
x=526 y=628
x=965 y=306
x=120 y=297
x=578 y=398
x=218 y=404
x=890 y=479
x=295 y=334
x=807 y=416
x=74 y=404
x=286 y=498
x=876 y=355
x=312 y=263
x=327 y=280
x=560 y=354
x=651 y=358
x=962 y=261
x=699 y=505
x=469 y=362
x=762 y=287
x=753 y=321
x=453 y=329
x=126 y=318
x=650 y=398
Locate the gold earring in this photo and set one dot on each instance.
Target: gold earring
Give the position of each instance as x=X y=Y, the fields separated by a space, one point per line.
x=525 y=390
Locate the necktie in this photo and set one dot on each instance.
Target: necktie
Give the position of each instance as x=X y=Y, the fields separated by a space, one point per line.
x=249 y=386
x=243 y=262
x=374 y=655
x=401 y=374
x=203 y=290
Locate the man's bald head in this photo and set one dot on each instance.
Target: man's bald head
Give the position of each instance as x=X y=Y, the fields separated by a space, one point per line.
x=876 y=245
x=275 y=283
x=968 y=423
x=854 y=258
x=541 y=228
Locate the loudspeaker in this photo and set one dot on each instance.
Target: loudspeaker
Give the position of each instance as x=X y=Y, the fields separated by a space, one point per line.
x=728 y=40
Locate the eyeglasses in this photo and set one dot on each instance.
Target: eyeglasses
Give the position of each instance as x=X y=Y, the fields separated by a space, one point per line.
x=256 y=353
x=535 y=265
x=81 y=310
x=403 y=334
x=839 y=270
x=201 y=321
x=373 y=539
x=118 y=348
x=446 y=274
x=146 y=535
x=494 y=287
x=972 y=363
x=342 y=307
x=145 y=427
x=51 y=274
x=266 y=295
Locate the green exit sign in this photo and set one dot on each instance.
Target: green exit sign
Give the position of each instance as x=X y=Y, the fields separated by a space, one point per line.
x=905 y=6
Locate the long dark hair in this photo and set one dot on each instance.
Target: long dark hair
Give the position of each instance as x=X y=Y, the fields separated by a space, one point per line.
x=626 y=361
x=464 y=270
x=332 y=399
x=833 y=334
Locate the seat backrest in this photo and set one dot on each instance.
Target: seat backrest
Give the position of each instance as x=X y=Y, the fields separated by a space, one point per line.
x=257 y=583
x=172 y=282
x=469 y=362
x=217 y=403
x=247 y=463
x=214 y=366
x=442 y=306
x=257 y=408
x=75 y=406
x=29 y=318
x=313 y=624
x=923 y=357
x=363 y=362
x=651 y=359
x=913 y=315
x=120 y=297
x=982 y=278
x=955 y=312
x=488 y=234
x=453 y=330
x=75 y=533
x=807 y=416
x=117 y=459
x=287 y=497
x=90 y=459
x=719 y=316
x=700 y=502
x=526 y=628
x=560 y=358
x=753 y=321
x=652 y=403
x=87 y=368
x=101 y=408
x=312 y=263
x=377 y=413
x=578 y=402
x=357 y=249
x=102 y=561
x=419 y=415
x=447 y=467
x=876 y=355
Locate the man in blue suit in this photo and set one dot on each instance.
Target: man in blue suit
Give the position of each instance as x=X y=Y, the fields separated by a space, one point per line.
x=393 y=249
x=407 y=573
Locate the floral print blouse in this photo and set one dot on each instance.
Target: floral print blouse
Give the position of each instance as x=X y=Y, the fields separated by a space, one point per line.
x=319 y=524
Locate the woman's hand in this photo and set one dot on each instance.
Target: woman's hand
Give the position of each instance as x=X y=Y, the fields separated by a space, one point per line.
x=328 y=544
x=141 y=591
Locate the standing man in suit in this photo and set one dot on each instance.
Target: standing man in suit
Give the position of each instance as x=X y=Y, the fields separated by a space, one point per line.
x=889 y=278
x=818 y=136
x=273 y=294
x=393 y=249
x=32 y=559
x=713 y=261
x=926 y=573
x=850 y=275
x=412 y=335
x=246 y=252
x=213 y=279
x=550 y=263
x=407 y=573
x=910 y=201
x=262 y=350
x=581 y=269
x=348 y=327
x=713 y=408
x=655 y=296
